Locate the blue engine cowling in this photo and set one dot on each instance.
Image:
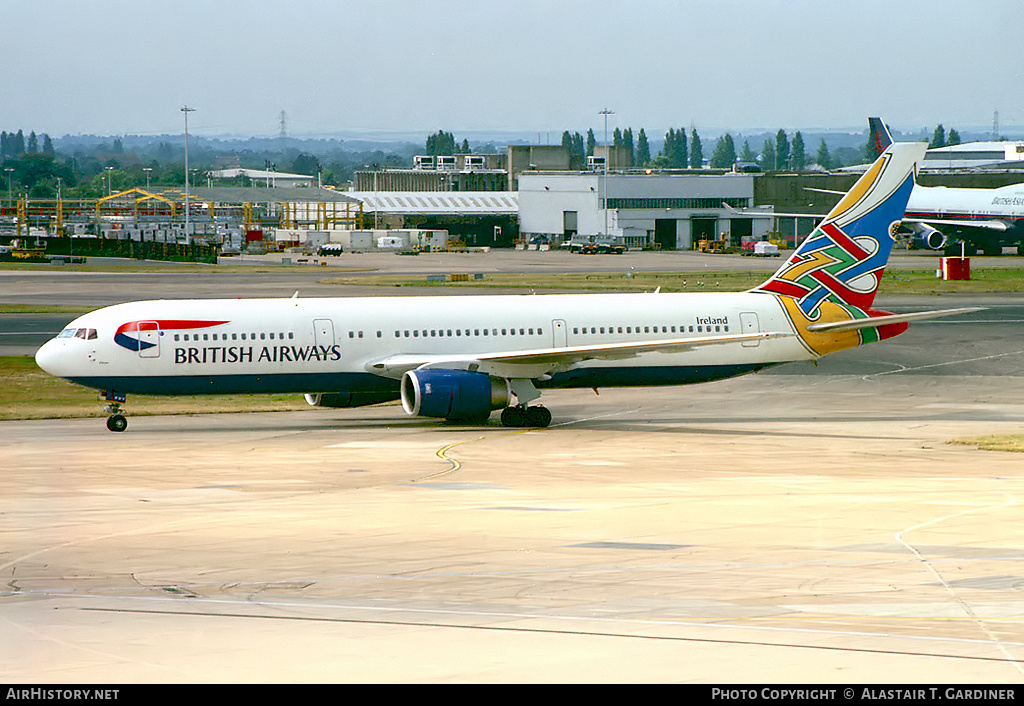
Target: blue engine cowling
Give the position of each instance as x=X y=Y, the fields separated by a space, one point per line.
x=452 y=394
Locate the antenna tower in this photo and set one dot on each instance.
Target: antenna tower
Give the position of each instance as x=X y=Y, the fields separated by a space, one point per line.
x=995 y=125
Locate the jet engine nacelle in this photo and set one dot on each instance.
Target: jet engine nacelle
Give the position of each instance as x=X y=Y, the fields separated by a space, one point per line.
x=453 y=394
x=927 y=237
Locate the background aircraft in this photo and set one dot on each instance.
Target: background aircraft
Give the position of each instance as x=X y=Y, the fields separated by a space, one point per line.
x=960 y=220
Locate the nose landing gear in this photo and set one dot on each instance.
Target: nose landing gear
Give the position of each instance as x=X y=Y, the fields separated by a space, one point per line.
x=116 y=421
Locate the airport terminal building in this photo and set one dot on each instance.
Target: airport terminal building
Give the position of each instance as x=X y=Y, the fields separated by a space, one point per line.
x=659 y=211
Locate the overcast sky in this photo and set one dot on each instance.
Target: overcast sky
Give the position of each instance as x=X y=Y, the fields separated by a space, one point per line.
x=128 y=66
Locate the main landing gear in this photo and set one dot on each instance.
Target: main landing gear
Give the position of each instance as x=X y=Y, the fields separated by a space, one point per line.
x=116 y=421
x=523 y=416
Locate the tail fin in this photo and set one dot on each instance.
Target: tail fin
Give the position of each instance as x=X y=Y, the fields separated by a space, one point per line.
x=843 y=259
x=879 y=137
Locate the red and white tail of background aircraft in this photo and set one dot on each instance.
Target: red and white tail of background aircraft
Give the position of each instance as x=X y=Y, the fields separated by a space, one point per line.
x=460 y=358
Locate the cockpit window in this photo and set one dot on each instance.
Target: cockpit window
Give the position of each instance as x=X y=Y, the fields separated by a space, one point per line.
x=88 y=334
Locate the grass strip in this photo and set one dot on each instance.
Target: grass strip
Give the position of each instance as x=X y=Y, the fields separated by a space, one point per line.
x=26 y=392
x=995 y=442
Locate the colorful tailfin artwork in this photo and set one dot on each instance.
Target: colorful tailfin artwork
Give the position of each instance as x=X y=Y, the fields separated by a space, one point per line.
x=834 y=274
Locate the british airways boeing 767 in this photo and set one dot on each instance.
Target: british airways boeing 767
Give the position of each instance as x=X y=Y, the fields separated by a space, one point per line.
x=460 y=358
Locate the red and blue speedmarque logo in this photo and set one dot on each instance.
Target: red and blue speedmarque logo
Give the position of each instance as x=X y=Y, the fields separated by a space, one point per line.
x=130 y=335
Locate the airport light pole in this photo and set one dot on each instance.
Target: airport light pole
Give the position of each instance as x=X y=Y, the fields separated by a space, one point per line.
x=607 y=156
x=186 y=110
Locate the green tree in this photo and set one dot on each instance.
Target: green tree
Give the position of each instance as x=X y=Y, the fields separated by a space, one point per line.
x=938 y=137
x=953 y=138
x=674 y=151
x=643 y=149
x=306 y=164
x=747 y=154
x=799 y=156
x=724 y=155
x=823 y=158
x=441 y=143
x=591 y=142
x=781 y=150
x=768 y=162
x=696 y=151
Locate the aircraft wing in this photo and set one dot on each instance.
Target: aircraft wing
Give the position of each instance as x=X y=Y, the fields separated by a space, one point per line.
x=1000 y=226
x=541 y=361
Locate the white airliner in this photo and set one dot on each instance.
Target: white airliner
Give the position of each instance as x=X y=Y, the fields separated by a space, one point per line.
x=460 y=358
x=940 y=216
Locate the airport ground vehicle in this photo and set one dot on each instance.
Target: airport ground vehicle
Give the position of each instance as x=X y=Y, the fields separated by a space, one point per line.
x=595 y=244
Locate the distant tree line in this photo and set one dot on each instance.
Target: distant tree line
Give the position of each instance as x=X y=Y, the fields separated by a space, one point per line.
x=444 y=144
x=91 y=167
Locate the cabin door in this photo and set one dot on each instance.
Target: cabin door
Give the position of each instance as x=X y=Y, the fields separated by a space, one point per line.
x=149 y=339
x=323 y=332
x=560 y=337
x=749 y=324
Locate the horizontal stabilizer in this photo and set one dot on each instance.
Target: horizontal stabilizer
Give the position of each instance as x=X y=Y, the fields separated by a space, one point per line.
x=875 y=321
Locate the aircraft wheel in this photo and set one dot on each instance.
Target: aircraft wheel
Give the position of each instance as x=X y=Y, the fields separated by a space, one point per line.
x=117 y=422
x=538 y=417
x=512 y=417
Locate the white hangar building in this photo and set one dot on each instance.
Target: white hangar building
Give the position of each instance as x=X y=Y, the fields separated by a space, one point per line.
x=666 y=211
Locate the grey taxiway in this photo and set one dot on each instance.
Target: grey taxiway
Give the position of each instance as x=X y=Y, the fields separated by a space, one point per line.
x=805 y=524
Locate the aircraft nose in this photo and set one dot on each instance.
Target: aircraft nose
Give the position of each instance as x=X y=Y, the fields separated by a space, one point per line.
x=49 y=357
